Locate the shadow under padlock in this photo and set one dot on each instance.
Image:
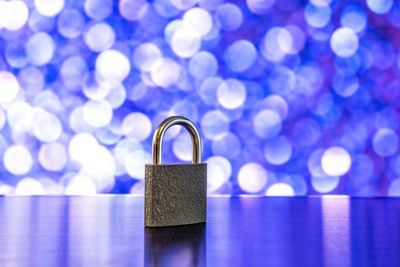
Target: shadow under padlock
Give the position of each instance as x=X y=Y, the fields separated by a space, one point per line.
x=175 y=246
x=175 y=194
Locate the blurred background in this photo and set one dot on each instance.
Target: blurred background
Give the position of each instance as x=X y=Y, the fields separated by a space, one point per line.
x=291 y=97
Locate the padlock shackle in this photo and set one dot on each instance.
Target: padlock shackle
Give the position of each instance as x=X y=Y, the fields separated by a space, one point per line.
x=163 y=127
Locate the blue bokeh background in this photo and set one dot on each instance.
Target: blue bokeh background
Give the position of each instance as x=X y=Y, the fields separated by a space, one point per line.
x=291 y=97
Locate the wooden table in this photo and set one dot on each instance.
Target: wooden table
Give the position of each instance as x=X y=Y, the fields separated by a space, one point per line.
x=107 y=230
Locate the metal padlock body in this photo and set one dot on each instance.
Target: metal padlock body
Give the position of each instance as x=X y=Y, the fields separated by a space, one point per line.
x=175 y=194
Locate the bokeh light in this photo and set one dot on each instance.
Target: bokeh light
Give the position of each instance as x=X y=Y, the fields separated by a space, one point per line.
x=199 y=20
x=49 y=7
x=280 y=189
x=70 y=23
x=240 y=55
x=9 y=87
x=325 y=184
x=53 y=156
x=166 y=74
x=99 y=37
x=354 y=17
x=137 y=126
x=336 y=161
x=252 y=178
x=231 y=94
x=17 y=160
x=267 y=124
x=291 y=97
x=13 y=15
x=29 y=186
x=385 y=142
x=380 y=6
x=317 y=16
x=203 y=65
x=278 y=151
x=185 y=42
x=81 y=185
x=40 y=49
x=344 y=42
x=229 y=17
x=146 y=56
x=112 y=65
x=219 y=170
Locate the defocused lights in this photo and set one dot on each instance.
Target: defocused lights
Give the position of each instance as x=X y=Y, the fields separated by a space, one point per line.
x=182 y=147
x=9 y=87
x=280 y=189
x=385 y=142
x=240 y=55
x=394 y=188
x=20 y=116
x=49 y=7
x=214 y=123
x=29 y=186
x=133 y=9
x=73 y=72
x=344 y=42
x=277 y=104
x=53 y=156
x=267 y=124
x=277 y=151
x=228 y=17
x=40 y=48
x=82 y=146
x=252 y=177
x=112 y=65
x=336 y=161
x=135 y=162
x=219 y=171
x=198 y=19
x=286 y=94
x=275 y=42
x=185 y=42
x=202 y=65
x=97 y=113
x=354 y=17
x=13 y=15
x=325 y=184
x=81 y=185
x=166 y=74
x=231 y=94
x=46 y=126
x=260 y=7
x=380 y=6
x=146 y=56
x=70 y=23
x=98 y=9
x=183 y=5
x=137 y=126
x=227 y=145
x=99 y=37
x=317 y=16
x=17 y=160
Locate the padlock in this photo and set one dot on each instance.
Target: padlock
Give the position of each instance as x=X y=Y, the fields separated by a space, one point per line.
x=175 y=194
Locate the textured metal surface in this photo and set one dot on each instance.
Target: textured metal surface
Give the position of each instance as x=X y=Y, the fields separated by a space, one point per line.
x=175 y=194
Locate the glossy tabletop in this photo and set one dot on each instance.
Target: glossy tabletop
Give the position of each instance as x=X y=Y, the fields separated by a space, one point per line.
x=108 y=230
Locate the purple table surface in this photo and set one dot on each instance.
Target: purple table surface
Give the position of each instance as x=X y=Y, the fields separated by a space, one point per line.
x=108 y=230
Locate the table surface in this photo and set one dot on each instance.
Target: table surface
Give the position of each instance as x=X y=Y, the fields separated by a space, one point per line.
x=108 y=230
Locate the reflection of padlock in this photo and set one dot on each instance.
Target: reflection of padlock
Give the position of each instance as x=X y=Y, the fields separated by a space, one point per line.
x=176 y=194
x=175 y=246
